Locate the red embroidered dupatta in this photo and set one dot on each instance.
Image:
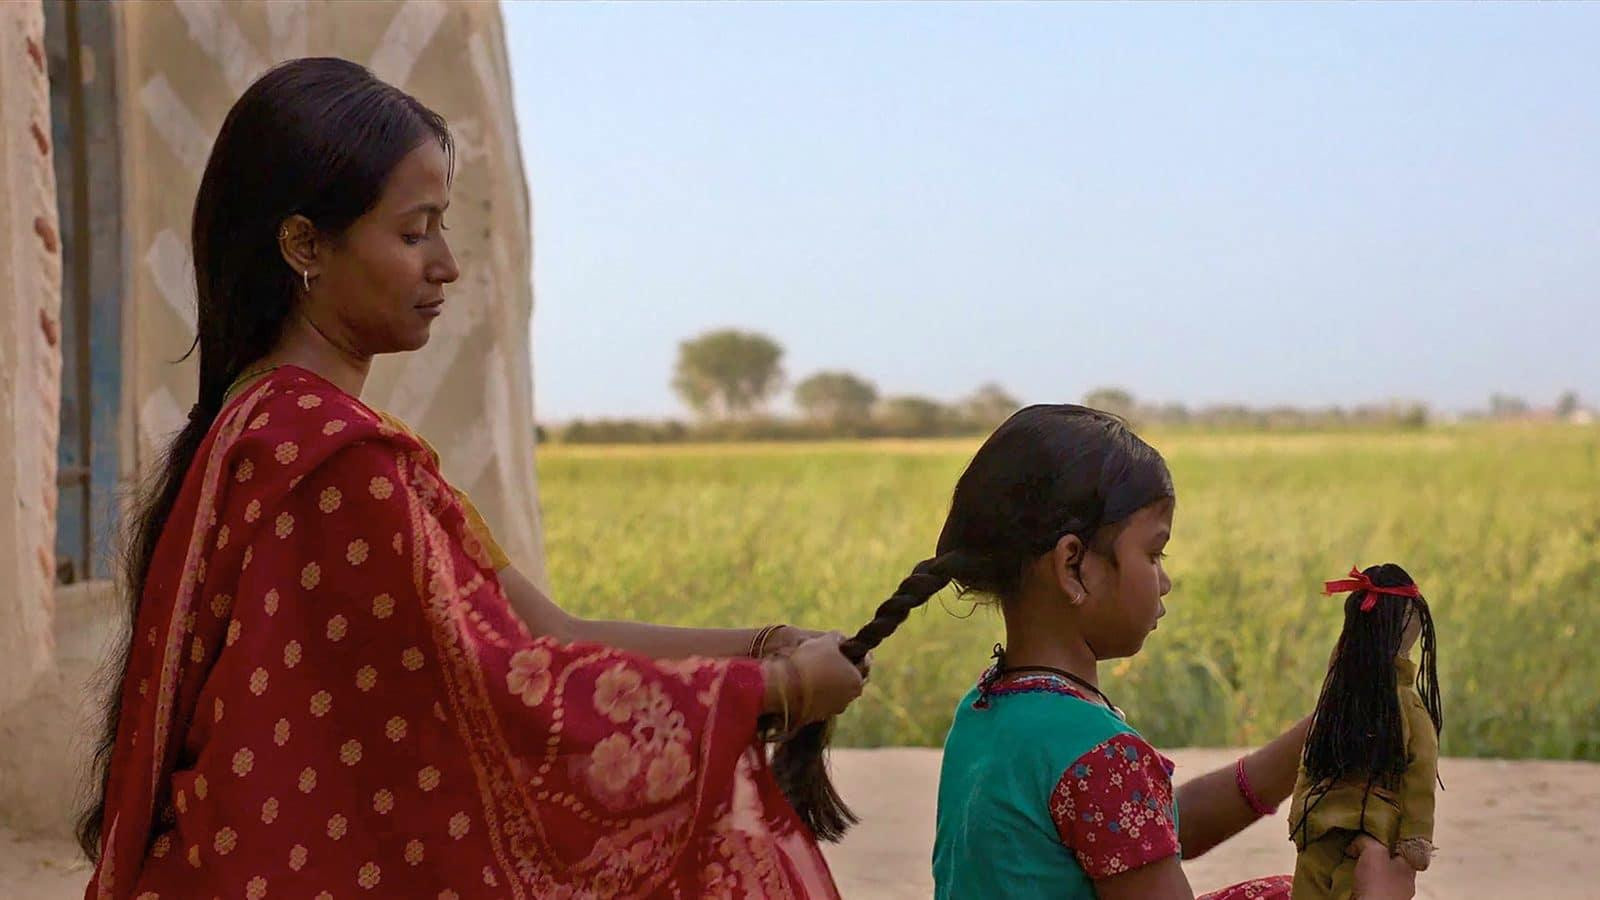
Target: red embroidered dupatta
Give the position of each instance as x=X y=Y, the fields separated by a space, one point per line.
x=330 y=697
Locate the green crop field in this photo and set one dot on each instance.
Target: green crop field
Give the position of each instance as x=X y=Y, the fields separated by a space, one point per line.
x=1500 y=525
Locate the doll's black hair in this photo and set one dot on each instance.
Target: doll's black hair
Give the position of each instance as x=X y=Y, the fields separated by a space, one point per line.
x=1356 y=731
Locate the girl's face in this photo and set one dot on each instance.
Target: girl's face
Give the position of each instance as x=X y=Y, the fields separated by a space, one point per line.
x=1123 y=590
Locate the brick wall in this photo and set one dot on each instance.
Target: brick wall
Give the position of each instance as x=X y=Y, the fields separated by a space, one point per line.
x=30 y=358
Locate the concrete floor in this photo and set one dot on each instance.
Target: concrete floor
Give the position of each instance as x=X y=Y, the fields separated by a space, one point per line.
x=1506 y=830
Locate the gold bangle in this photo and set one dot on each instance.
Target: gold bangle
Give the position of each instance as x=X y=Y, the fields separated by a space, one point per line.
x=762 y=650
x=758 y=644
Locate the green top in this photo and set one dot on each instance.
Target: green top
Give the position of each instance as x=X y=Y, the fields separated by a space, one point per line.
x=1042 y=790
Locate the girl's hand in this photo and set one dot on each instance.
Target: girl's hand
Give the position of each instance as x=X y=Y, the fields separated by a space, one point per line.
x=1380 y=876
x=828 y=681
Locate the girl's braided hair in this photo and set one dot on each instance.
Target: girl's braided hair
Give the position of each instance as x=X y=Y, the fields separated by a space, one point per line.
x=1048 y=471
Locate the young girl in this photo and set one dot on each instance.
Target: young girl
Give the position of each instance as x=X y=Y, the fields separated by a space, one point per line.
x=1373 y=753
x=1062 y=517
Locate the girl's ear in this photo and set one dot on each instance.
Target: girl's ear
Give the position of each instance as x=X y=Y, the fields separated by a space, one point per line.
x=1065 y=560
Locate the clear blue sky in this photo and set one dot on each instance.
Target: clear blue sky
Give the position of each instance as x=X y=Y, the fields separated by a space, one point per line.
x=1241 y=203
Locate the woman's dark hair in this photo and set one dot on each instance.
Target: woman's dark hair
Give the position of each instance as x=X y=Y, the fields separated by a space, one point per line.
x=1046 y=472
x=315 y=137
x=1356 y=731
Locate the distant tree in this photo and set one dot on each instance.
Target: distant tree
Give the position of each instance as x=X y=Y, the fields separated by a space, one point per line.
x=836 y=399
x=622 y=431
x=728 y=373
x=1113 y=400
x=1567 y=404
x=1409 y=414
x=912 y=416
x=1227 y=415
x=988 y=406
x=1171 y=414
x=1505 y=406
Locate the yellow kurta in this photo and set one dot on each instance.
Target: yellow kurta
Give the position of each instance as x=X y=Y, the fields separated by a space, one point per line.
x=475 y=521
x=1350 y=808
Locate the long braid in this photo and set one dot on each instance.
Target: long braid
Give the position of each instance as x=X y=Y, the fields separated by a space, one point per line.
x=927 y=578
x=1048 y=470
x=799 y=763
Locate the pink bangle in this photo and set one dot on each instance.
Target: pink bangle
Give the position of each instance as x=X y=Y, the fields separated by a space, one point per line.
x=1249 y=795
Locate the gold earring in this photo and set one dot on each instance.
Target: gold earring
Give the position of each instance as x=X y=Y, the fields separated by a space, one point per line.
x=305 y=279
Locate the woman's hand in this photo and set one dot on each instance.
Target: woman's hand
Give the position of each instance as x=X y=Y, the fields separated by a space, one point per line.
x=787 y=638
x=828 y=681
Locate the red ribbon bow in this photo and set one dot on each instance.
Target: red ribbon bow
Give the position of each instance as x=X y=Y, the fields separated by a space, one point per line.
x=1359 y=582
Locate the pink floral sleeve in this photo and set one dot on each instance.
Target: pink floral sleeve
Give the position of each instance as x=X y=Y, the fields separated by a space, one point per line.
x=1273 y=887
x=1113 y=807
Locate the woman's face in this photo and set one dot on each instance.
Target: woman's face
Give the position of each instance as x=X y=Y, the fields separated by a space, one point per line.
x=381 y=284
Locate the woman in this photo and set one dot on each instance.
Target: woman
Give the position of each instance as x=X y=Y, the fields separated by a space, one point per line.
x=334 y=682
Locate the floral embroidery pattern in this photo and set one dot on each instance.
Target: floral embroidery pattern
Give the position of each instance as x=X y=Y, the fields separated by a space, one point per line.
x=616 y=692
x=529 y=677
x=1276 y=887
x=613 y=764
x=1114 y=807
